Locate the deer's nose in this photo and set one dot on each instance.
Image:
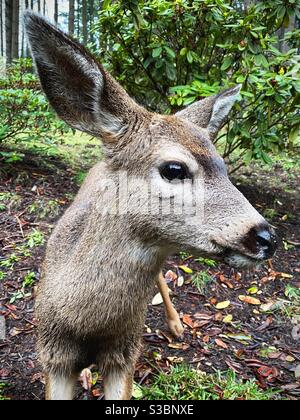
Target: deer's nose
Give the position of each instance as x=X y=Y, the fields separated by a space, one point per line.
x=266 y=242
x=262 y=241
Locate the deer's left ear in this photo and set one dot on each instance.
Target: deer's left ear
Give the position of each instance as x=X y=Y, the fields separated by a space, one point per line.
x=212 y=112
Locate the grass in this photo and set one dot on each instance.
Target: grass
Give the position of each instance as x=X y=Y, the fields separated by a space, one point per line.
x=2 y=387
x=183 y=383
x=201 y=281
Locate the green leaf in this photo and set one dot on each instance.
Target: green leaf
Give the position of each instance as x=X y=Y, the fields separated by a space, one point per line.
x=226 y=64
x=157 y=52
x=190 y=57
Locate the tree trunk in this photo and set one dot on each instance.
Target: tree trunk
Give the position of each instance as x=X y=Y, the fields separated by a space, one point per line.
x=56 y=11
x=31 y=4
x=44 y=7
x=39 y=6
x=8 y=29
x=84 y=22
x=71 y=17
x=1 y=28
x=15 y=29
x=91 y=19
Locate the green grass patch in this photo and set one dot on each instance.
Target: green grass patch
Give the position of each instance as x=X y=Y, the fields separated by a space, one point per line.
x=183 y=383
x=201 y=281
x=2 y=387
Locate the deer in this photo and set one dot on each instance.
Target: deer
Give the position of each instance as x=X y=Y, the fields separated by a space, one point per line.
x=104 y=257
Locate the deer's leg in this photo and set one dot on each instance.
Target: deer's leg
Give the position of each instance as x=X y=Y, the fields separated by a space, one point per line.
x=118 y=385
x=60 y=388
x=174 y=322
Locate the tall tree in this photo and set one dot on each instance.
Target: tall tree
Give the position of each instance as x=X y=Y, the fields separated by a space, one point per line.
x=84 y=22
x=15 y=29
x=39 y=6
x=8 y=29
x=56 y=11
x=71 y=17
x=44 y=7
x=91 y=19
x=1 y=28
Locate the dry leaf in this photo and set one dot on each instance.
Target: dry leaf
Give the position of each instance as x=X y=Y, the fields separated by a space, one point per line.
x=221 y=343
x=174 y=359
x=188 y=321
x=170 y=276
x=179 y=346
x=285 y=276
x=223 y=305
x=250 y=300
x=86 y=379
x=96 y=393
x=180 y=281
x=157 y=300
x=297 y=372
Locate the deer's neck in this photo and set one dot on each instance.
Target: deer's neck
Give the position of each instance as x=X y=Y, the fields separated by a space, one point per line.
x=123 y=256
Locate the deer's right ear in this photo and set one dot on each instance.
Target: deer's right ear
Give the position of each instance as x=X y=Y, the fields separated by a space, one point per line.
x=212 y=112
x=82 y=93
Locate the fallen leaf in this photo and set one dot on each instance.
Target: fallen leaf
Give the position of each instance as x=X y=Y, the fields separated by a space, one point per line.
x=265 y=371
x=137 y=391
x=239 y=337
x=228 y=319
x=266 y=307
x=218 y=316
x=86 y=379
x=296 y=332
x=170 y=276
x=188 y=321
x=157 y=300
x=174 y=359
x=274 y=355
x=180 y=281
x=223 y=305
x=297 y=372
x=290 y=359
x=96 y=393
x=225 y=281
x=221 y=343
x=250 y=300
x=179 y=346
x=286 y=275
x=203 y=316
x=186 y=269
x=253 y=290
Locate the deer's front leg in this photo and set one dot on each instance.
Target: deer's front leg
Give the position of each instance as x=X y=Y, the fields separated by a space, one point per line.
x=174 y=322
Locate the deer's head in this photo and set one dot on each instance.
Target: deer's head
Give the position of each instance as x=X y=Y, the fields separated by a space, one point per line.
x=174 y=154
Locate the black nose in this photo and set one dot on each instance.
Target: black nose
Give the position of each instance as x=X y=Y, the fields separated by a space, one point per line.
x=266 y=242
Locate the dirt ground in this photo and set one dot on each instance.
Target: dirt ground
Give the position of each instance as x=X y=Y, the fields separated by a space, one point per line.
x=261 y=341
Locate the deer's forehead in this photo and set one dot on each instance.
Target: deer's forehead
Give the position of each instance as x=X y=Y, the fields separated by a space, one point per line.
x=177 y=137
x=194 y=139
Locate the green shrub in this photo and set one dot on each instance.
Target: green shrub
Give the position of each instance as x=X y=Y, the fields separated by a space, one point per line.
x=169 y=54
x=25 y=115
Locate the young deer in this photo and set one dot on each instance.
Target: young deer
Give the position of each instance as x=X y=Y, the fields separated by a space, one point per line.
x=104 y=256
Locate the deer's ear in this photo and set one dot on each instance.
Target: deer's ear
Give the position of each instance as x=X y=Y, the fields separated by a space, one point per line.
x=82 y=93
x=212 y=112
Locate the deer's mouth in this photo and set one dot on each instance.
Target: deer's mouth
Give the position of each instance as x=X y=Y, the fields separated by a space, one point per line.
x=239 y=260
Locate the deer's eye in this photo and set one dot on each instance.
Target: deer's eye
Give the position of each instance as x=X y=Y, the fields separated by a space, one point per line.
x=173 y=171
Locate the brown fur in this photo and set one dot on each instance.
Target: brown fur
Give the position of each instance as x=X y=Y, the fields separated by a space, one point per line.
x=100 y=268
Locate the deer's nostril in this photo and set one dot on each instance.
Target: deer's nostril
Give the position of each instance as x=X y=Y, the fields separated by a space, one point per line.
x=266 y=241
